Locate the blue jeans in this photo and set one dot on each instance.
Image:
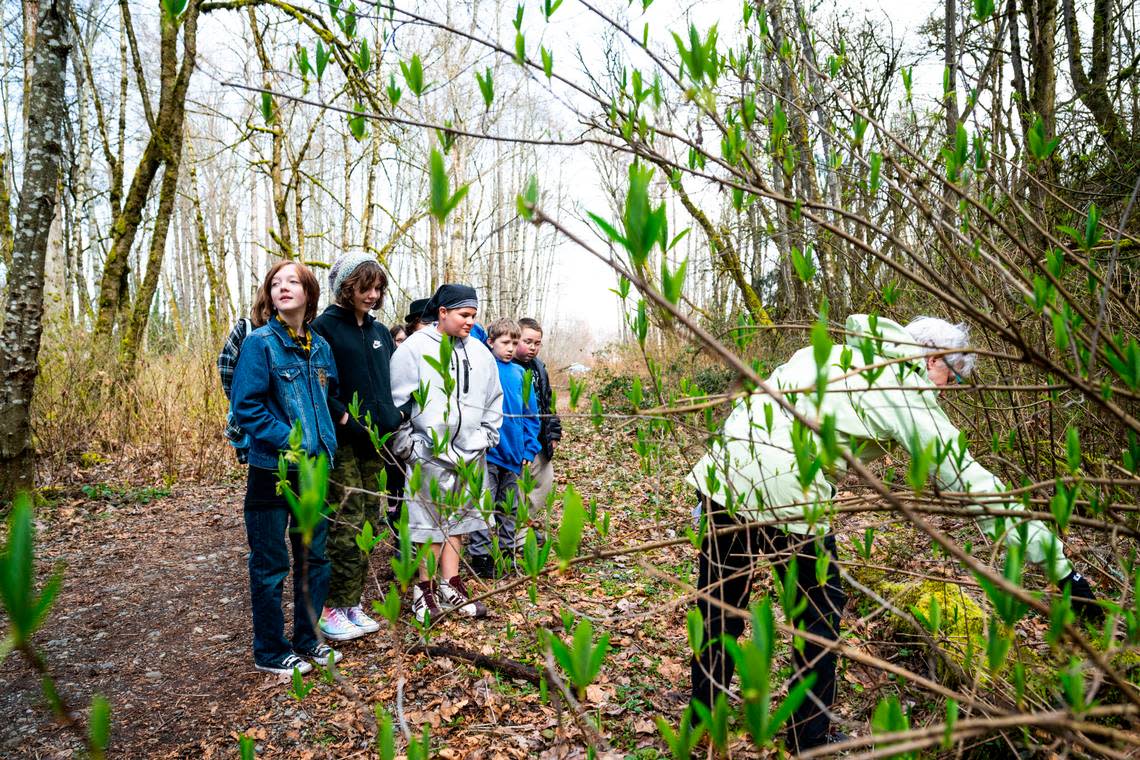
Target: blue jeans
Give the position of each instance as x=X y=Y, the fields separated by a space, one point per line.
x=267 y=519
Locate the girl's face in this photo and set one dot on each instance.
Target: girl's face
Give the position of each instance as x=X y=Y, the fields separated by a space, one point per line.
x=400 y=337
x=366 y=300
x=457 y=322
x=287 y=292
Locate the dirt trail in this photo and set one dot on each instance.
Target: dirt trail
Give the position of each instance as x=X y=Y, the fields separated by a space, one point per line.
x=154 y=615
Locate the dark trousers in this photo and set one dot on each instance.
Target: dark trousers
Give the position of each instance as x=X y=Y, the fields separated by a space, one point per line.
x=728 y=565
x=349 y=571
x=503 y=485
x=270 y=530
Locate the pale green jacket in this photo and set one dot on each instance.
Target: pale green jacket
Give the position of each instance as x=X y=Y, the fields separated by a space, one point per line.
x=878 y=402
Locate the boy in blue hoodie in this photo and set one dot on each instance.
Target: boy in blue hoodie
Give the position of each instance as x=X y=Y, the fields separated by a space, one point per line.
x=518 y=445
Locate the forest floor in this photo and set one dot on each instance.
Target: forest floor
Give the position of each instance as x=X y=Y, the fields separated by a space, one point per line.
x=154 y=615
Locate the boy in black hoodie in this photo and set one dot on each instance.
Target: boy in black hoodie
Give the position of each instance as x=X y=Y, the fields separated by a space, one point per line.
x=363 y=347
x=550 y=430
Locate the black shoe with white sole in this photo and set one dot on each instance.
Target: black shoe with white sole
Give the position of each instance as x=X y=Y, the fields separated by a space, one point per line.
x=1083 y=598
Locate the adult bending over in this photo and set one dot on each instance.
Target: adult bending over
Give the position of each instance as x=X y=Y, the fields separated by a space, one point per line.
x=750 y=474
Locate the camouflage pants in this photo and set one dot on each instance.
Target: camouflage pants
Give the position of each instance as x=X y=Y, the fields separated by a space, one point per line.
x=349 y=563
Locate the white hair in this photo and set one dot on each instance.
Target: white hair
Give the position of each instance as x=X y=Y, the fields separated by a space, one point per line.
x=934 y=334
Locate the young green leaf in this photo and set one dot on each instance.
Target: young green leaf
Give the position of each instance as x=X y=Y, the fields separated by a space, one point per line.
x=486 y=87
x=357 y=124
x=570 y=529
x=323 y=57
x=442 y=202
x=413 y=71
x=547 y=61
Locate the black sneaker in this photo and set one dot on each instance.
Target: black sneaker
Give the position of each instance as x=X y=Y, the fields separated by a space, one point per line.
x=319 y=654
x=1083 y=598
x=285 y=666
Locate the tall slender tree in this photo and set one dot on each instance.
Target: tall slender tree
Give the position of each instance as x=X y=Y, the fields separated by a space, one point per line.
x=23 y=313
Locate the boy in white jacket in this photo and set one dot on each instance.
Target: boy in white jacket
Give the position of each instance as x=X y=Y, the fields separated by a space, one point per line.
x=448 y=435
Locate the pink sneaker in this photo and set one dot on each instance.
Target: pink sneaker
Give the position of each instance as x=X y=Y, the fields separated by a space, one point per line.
x=336 y=626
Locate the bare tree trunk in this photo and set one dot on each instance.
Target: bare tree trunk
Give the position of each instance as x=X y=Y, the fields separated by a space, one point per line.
x=23 y=313
x=7 y=239
x=163 y=146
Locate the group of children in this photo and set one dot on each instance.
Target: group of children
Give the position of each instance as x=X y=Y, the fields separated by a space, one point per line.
x=454 y=412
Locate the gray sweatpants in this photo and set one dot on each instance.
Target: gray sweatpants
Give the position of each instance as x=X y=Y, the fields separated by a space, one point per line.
x=505 y=493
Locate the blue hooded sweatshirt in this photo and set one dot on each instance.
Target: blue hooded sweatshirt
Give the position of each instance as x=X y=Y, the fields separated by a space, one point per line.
x=518 y=438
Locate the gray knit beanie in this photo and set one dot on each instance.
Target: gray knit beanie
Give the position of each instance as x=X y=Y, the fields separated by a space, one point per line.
x=343 y=268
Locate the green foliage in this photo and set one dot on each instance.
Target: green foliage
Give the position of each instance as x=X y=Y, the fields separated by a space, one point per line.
x=700 y=59
x=393 y=91
x=643 y=225
x=1039 y=144
x=25 y=608
x=695 y=624
x=547 y=61
x=268 y=108
x=172 y=10
x=299 y=689
x=804 y=264
x=487 y=86
x=957 y=155
x=442 y=202
x=322 y=61
x=715 y=721
x=576 y=388
x=889 y=718
x=570 y=529
x=309 y=506
x=527 y=200
x=1009 y=608
x=98 y=727
x=684 y=740
x=983 y=9
x=754 y=664
x=672 y=282
x=413 y=71
x=363 y=56
x=1073 y=686
x=548 y=8
x=421 y=749
x=246 y=747
x=582 y=658
x=356 y=123
x=385 y=734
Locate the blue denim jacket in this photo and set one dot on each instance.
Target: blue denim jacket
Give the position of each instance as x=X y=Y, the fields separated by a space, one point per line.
x=275 y=385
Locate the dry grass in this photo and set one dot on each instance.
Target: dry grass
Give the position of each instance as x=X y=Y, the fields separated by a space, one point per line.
x=164 y=424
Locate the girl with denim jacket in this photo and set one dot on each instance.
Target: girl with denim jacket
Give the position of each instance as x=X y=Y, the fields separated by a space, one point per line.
x=283 y=377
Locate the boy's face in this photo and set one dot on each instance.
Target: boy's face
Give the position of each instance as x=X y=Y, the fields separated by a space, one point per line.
x=529 y=344
x=367 y=299
x=503 y=347
x=457 y=322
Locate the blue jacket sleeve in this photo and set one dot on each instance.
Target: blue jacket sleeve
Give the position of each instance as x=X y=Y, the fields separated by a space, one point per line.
x=531 y=428
x=250 y=393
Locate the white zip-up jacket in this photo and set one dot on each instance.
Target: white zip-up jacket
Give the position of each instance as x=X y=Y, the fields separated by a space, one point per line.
x=892 y=404
x=471 y=416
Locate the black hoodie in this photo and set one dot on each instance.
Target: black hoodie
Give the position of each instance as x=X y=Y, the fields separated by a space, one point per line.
x=362 y=354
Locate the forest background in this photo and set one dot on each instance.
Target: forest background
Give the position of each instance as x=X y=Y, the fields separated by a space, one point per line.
x=691 y=188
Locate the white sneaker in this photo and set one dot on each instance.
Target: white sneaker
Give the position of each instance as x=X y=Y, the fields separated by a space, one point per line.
x=357 y=617
x=337 y=627
x=453 y=596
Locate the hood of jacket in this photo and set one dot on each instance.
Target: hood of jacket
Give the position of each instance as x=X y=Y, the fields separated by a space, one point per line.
x=469 y=416
x=889 y=339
